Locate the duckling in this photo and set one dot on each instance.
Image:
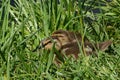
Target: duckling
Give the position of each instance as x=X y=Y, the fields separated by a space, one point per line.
x=67 y=42
x=61 y=37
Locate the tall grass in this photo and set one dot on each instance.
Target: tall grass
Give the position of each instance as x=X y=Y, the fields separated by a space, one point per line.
x=23 y=26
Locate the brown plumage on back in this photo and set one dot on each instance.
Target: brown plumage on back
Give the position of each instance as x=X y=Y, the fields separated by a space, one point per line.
x=66 y=42
x=67 y=37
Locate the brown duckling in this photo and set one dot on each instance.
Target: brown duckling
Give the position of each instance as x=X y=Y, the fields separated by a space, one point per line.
x=67 y=43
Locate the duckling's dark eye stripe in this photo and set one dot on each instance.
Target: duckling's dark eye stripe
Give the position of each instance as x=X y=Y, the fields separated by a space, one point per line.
x=56 y=37
x=50 y=40
x=43 y=45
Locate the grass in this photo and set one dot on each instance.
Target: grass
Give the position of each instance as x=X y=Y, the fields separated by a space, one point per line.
x=23 y=26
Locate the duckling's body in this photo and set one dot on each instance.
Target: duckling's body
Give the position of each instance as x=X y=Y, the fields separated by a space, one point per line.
x=69 y=43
